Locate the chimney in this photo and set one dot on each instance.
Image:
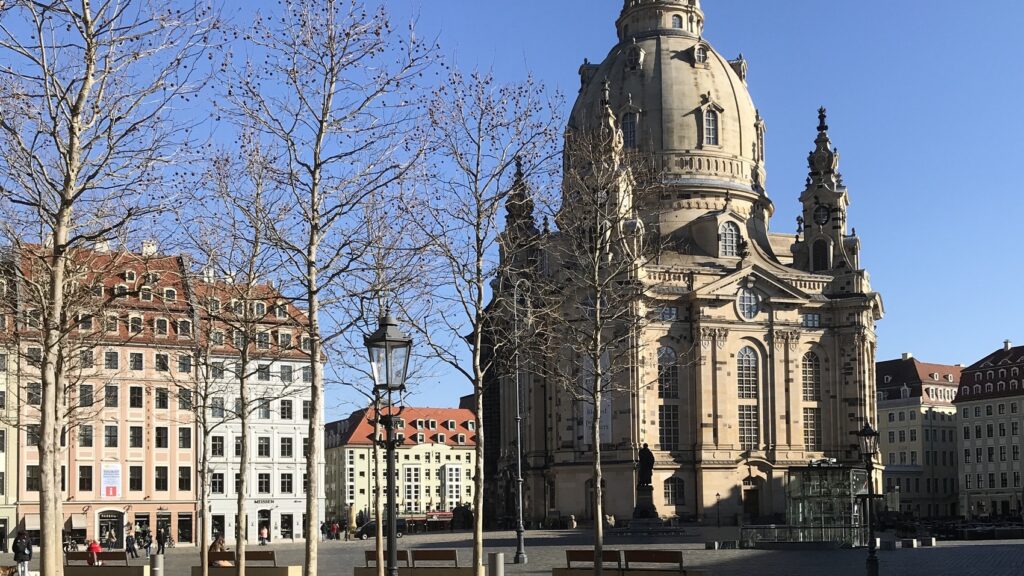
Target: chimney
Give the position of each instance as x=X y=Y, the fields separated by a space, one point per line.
x=908 y=355
x=1007 y=345
x=149 y=247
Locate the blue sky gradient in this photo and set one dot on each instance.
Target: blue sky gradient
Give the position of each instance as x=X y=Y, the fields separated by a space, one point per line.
x=924 y=106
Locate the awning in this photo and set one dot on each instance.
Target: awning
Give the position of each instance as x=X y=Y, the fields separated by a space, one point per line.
x=78 y=521
x=31 y=521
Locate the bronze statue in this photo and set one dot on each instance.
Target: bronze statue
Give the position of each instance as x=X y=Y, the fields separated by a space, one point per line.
x=645 y=468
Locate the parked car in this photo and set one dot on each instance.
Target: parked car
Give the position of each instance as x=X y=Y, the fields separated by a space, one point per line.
x=370 y=528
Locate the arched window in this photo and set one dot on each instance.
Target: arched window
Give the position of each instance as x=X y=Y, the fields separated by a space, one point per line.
x=668 y=373
x=812 y=377
x=711 y=127
x=636 y=58
x=677 y=21
x=700 y=54
x=629 y=130
x=746 y=373
x=988 y=387
x=977 y=388
x=820 y=256
x=675 y=495
x=728 y=239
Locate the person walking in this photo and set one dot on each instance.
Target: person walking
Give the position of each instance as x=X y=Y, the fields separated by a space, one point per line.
x=264 y=535
x=22 y=552
x=161 y=540
x=111 y=539
x=146 y=542
x=129 y=544
x=334 y=531
x=323 y=531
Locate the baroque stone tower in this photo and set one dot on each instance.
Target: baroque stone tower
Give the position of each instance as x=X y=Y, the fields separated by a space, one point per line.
x=760 y=345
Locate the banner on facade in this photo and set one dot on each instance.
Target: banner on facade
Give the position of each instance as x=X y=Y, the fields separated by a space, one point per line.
x=110 y=483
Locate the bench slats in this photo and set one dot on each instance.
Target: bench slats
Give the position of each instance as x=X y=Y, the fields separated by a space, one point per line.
x=430 y=555
x=654 y=557
x=104 y=556
x=371 y=556
x=608 y=557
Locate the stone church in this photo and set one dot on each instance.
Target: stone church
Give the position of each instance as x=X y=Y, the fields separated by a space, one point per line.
x=762 y=343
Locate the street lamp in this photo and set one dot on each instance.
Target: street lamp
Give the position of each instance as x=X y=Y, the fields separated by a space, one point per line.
x=868 y=438
x=389 y=351
x=718 y=507
x=520 y=557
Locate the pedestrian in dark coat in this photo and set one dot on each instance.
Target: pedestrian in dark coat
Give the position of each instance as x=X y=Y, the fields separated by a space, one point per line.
x=22 y=552
x=161 y=539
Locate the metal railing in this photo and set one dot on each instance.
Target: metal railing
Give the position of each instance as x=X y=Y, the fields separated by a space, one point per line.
x=847 y=536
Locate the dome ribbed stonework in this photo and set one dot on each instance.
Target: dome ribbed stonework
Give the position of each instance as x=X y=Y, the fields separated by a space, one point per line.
x=667 y=80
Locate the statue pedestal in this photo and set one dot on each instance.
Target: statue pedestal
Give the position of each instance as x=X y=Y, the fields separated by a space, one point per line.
x=645 y=504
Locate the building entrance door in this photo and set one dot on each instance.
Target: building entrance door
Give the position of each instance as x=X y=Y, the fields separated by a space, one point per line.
x=752 y=503
x=263 y=520
x=217 y=525
x=111 y=523
x=286 y=527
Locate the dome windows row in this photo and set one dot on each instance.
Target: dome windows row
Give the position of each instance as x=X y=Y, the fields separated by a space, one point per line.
x=711 y=128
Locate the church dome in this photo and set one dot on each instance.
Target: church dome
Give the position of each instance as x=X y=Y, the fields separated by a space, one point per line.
x=679 y=100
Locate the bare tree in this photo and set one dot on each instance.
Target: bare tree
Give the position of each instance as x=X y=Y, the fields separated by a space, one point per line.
x=87 y=91
x=326 y=85
x=594 y=295
x=478 y=129
x=247 y=323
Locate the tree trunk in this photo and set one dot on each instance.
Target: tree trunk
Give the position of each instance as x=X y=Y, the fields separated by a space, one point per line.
x=598 y=508
x=204 y=508
x=243 y=464
x=316 y=393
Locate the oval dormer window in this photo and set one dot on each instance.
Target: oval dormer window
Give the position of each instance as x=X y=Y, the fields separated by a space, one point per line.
x=748 y=303
x=700 y=54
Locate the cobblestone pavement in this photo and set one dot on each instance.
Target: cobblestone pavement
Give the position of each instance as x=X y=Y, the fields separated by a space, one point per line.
x=546 y=549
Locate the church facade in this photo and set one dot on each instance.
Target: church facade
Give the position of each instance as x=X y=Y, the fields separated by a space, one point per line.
x=761 y=345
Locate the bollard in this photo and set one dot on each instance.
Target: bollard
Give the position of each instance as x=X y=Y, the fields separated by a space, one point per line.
x=496 y=564
x=156 y=565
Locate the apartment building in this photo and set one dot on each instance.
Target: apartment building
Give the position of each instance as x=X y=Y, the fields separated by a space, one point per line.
x=8 y=415
x=278 y=377
x=434 y=463
x=917 y=427
x=990 y=404
x=129 y=443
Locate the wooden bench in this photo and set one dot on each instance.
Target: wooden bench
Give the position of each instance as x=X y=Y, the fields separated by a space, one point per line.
x=114 y=564
x=251 y=556
x=432 y=555
x=260 y=556
x=674 y=558
x=371 y=556
x=104 y=557
x=609 y=558
x=415 y=560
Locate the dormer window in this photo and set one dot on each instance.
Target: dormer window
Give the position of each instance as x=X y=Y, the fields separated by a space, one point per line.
x=129 y=275
x=160 y=327
x=635 y=58
x=135 y=324
x=711 y=127
x=170 y=295
x=677 y=22
x=120 y=290
x=280 y=310
x=629 y=130
x=260 y=309
x=471 y=425
x=146 y=294
x=432 y=424
x=450 y=424
x=700 y=54
x=441 y=438
x=460 y=439
x=184 y=329
x=214 y=305
x=151 y=277
x=728 y=239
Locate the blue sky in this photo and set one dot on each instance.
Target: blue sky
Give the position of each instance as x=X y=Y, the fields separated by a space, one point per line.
x=924 y=105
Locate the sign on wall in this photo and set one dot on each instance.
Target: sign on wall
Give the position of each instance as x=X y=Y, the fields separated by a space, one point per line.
x=110 y=482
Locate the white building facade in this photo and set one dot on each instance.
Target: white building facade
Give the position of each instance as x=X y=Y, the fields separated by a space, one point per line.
x=280 y=399
x=435 y=463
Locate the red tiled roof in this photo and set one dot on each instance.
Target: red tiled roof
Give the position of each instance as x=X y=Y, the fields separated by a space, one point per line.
x=1002 y=370
x=911 y=372
x=357 y=429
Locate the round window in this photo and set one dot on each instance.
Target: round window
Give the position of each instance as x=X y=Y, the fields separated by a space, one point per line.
x=749 y=304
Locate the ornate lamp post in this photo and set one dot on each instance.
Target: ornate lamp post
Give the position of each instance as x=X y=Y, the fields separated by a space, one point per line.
x=520 y=557
x=389 y=351
x=718 y=507
x=868 y=438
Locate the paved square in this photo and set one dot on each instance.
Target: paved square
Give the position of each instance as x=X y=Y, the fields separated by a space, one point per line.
x=546 y=549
